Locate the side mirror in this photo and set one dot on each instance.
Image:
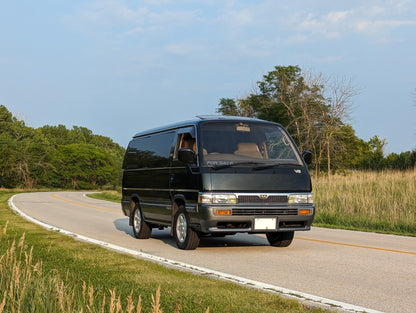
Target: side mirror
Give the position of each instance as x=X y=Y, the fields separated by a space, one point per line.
x=187 y=155
x=307 y=156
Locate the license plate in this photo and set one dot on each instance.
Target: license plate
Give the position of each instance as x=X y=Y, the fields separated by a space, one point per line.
x=264 y=223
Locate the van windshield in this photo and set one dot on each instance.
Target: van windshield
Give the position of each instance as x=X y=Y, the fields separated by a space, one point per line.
x=245 y=143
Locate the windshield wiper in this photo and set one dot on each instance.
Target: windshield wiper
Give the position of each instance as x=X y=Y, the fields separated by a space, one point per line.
x=222 y=166
x=265 y=167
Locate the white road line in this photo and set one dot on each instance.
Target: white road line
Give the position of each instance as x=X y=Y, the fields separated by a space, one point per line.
x=306 y=299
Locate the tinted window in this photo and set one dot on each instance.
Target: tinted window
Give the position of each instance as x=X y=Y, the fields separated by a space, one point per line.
x=149 y=151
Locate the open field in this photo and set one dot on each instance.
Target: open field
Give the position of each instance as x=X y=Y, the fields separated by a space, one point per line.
x=55 y=273
x=370 y=201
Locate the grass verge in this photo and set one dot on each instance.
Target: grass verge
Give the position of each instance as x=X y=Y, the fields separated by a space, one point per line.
x=45 y=271
x=109 y=195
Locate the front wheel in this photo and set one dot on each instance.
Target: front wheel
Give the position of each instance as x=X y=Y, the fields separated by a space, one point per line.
x=141 y=229
x=186 y=238
x=280 y=239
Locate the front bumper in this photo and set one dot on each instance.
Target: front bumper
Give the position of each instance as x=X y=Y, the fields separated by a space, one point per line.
x=252 y=218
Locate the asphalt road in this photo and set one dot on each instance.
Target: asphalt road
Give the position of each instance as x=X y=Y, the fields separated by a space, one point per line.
x=374 y=271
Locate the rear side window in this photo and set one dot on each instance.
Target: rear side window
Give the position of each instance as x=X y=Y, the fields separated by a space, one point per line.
x=149 y=151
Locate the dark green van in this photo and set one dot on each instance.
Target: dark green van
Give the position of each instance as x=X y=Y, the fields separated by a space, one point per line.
x=217 y=176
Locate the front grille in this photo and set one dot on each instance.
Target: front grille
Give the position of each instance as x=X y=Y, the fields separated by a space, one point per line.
x=259 y=199
x=263 y=211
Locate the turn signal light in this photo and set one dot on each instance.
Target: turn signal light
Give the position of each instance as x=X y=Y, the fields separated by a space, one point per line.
x=303 y=211
x=223 y=212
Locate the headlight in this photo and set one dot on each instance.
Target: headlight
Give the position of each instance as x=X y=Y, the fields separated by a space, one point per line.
x=305 y=198
x=210 y=198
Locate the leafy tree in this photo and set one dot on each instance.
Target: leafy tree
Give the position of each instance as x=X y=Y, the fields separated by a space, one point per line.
x=83 y=166
x=8 y=175
x=312 y=110
x=228 y=106
x=54 y=156
x=402 y=161
x=375 y=155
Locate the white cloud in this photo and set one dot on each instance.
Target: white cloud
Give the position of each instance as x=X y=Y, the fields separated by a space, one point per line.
x=377 y=21
x=238 y=18
x=330 y=25
x=110 y=13
x=378 y=27
x=260 y=28
x=296 y=39
x=122 y=17
x=182 y=48
x=329 y=59
x=175 y=18
x=158 y=2
x=337 y=17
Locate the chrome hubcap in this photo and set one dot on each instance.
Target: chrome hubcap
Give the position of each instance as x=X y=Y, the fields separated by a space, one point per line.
x=137 y=221
x=181 y=227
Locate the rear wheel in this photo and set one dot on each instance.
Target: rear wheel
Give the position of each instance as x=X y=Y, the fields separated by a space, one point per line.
x=186 y=238
x=280 y=239
x=141 y=229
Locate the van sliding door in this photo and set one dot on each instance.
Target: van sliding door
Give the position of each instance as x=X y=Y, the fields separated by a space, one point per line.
x=153 y=185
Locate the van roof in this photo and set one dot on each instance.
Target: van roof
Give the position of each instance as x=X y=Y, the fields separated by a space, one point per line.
x=197 y=120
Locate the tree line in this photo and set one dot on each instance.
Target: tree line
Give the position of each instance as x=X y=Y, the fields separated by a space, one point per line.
x=316 y=109
x=56 y=157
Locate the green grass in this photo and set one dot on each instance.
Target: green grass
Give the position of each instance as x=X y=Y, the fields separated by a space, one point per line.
x=111 y=195
x=45 y=271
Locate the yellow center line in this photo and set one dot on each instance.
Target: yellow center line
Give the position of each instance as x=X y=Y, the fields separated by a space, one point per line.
x=84 y=205
x=356 y=246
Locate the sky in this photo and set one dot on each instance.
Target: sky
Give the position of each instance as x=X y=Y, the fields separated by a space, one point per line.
x=120 y=67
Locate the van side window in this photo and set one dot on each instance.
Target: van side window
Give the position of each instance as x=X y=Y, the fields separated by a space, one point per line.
x=185 y=140
x=149 y=151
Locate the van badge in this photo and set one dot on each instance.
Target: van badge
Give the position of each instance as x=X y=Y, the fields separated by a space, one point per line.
x=263 y=197
x=298 y=171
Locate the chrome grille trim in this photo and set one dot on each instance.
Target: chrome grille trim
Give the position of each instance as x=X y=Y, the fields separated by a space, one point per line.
x=262 y=198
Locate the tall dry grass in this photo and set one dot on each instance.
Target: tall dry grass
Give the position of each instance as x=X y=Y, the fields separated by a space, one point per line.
x=24 y=287
x=378 y=201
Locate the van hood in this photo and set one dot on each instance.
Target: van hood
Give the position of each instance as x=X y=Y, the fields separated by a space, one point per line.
x=276 y=180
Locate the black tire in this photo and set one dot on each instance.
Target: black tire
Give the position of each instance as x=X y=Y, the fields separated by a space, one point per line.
x=280 y=239
x=186 y=238
x=141 y=230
